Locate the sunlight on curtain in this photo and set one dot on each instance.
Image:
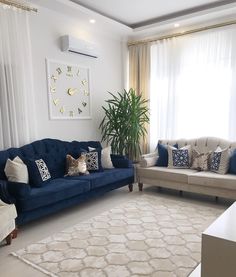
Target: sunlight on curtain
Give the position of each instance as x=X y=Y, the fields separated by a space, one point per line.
x=17 y=124
x=193 y=86
x=139 y=77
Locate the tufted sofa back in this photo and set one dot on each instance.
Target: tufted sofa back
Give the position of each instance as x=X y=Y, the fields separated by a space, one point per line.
x=203 y=144
x=54 y=149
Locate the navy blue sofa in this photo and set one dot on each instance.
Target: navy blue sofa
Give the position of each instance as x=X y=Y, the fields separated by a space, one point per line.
x=60 y=192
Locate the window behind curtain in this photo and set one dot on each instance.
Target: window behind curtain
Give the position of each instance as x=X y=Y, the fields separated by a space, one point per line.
x=193 y=86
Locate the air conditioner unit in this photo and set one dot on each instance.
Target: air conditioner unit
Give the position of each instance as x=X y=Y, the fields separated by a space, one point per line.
x=78 y=46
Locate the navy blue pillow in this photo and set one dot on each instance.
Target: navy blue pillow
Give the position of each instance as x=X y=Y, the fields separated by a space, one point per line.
x=122 y=163
x=163 y=154
x=38 y=172
x=118 y=156
x=232 y=163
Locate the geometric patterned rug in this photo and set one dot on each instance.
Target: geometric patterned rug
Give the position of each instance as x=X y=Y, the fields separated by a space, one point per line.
x=148 y=236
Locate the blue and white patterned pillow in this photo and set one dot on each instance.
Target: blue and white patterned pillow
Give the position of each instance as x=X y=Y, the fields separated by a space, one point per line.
x=215 y=162
x=179 y=158
x=220 y=161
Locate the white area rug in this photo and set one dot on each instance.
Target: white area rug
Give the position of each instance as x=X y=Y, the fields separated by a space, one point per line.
x=148 y=236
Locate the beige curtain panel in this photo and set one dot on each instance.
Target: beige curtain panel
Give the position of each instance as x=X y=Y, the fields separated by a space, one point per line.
x=139 y=76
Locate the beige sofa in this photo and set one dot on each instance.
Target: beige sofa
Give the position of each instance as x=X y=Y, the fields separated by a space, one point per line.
x=208 y=183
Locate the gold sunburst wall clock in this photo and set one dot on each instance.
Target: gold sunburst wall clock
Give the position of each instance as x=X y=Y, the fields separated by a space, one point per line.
x=69 y=92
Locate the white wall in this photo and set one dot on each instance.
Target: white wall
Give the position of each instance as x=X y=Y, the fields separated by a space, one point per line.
x=106 y=72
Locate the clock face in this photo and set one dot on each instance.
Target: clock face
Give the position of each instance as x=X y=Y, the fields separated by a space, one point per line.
x=68 y=91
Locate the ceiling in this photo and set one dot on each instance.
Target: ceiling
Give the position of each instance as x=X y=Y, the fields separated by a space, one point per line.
x=139 y=13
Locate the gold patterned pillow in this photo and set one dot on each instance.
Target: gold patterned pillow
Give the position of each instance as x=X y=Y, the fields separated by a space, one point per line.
x=76 y=166
x=201 y=161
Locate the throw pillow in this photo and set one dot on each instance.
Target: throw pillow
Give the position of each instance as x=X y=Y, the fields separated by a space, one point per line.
x=232 y=163
x=179 y=158
x=200 y=160
x=16 y=171
x=93 y=160
x=148 y=161
x=121 y=161
x=163 y=154
x=76 y=166
x=105 y=157
x=38 y=172
x=220 y=160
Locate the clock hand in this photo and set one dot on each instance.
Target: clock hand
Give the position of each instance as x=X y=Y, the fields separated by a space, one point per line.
x=71 y=91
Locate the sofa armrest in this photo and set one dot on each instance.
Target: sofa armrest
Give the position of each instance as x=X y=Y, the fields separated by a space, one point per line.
x=3 y=203
x=120 y=161
x=5 y=195
x=148 y=161
x=18 y=190
x=150 y=155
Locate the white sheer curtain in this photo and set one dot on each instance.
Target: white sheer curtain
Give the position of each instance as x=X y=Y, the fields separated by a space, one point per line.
x=17 y=124
x=193 y=86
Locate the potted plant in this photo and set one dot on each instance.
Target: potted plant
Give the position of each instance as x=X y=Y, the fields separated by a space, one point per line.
x=124 y=123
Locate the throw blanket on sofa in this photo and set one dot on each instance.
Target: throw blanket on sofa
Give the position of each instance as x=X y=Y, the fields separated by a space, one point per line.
x=4 y=193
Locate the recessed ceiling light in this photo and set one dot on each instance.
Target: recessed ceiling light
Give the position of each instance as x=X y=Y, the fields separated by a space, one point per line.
x=92 y=21
x=176 y=25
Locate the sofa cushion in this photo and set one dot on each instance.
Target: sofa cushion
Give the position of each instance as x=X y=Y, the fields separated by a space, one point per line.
x=76 y=166
x=93 y=160
x=168 y=174
x=105 y=157
x=16 y=170
x=179 y=158
x=220 y=160
x=163 y=154
x=201 y=161
x=38 y=170
x=211 y=179
x=106 y=177
x=232 y=163
x=52 y=192
x=120 y=161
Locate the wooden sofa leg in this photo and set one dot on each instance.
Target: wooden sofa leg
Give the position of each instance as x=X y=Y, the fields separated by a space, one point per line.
x=11 y=236
x=14 y=233
x=181 y=193
x=140 y=186
x=9 y=239
x=130 y=187
x=216 y=198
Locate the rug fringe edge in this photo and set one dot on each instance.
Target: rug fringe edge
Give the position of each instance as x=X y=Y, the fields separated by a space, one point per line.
x=33 y=265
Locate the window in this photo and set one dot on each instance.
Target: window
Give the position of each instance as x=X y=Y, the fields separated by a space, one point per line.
x=192 y=86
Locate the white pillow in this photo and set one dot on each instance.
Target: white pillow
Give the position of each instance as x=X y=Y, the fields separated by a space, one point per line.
x=16 y=171
x=105 y=157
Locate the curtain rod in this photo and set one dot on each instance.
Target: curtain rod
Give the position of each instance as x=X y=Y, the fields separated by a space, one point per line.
x=19 y=5
x=184 y=33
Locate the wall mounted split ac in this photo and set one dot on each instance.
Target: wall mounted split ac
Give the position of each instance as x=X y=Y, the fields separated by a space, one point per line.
x=78 y=46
